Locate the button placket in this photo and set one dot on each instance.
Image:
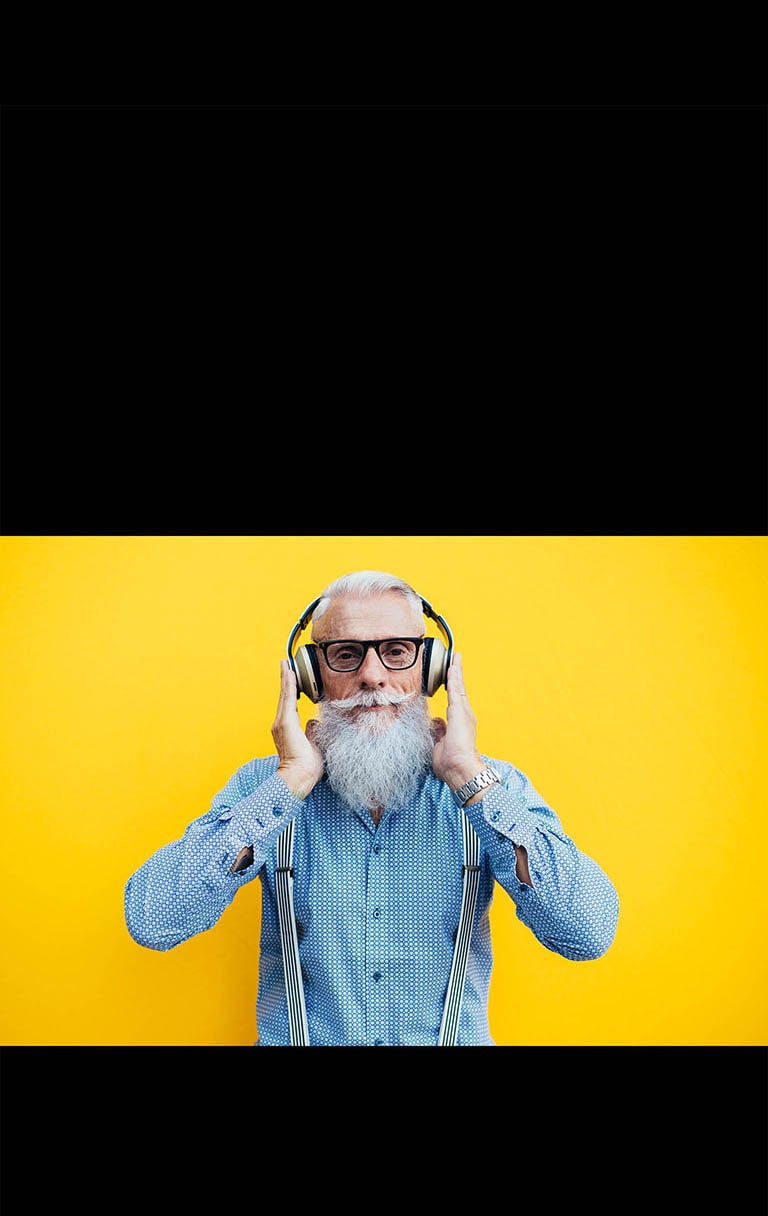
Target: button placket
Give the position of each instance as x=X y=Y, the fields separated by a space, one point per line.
x=375 y=935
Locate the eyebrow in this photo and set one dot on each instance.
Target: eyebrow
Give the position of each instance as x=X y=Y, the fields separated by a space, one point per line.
x=397 y=637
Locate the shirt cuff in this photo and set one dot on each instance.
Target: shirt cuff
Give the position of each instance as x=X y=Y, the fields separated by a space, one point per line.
x=258 y=817
x=506 y=813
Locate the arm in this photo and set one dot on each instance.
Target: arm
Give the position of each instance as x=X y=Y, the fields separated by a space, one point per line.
x=560 y=893
x=184 y=888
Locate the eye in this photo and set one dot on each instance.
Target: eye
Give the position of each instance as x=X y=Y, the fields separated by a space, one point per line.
x=394 y=648
x=344 y=656
x=346 y=652
x=399 y=652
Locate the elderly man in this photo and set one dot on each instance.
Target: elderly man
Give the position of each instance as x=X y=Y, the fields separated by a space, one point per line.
x=378 y=834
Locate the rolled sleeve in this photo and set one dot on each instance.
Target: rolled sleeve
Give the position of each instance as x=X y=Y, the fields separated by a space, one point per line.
x=254 y=820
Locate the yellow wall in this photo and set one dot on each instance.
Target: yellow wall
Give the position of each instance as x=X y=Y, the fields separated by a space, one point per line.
x=625 y=675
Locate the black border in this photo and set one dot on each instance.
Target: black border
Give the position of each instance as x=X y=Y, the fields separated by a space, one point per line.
x=607 y=1126
x=547 y=319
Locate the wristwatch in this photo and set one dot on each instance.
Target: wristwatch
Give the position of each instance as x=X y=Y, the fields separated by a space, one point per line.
x=487 y=777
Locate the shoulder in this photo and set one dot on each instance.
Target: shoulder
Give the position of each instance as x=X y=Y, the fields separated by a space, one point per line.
x=253 y=773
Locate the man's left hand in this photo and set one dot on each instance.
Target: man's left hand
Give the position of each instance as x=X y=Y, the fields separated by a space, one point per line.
x=455 y=758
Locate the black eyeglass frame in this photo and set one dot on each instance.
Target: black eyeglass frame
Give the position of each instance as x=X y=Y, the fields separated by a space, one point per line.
x=418 y=642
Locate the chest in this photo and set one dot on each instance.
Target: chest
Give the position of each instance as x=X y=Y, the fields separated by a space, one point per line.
x=403 y=872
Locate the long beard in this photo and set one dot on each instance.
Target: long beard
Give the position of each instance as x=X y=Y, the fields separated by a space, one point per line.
x=372 y=762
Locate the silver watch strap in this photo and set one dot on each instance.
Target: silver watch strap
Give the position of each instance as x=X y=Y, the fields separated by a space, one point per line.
x=480 y=781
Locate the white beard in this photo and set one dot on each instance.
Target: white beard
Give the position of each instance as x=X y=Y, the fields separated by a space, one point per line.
x=370 y=761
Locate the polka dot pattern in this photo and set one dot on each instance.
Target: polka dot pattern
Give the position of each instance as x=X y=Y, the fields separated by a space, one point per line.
x=377 y=907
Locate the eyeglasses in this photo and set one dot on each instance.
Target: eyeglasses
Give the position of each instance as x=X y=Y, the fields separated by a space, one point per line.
x=397 y=654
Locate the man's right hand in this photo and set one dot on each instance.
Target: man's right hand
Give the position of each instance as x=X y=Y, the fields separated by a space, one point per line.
x=301 y=763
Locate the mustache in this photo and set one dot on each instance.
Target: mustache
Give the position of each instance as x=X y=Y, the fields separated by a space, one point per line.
x=368 y=697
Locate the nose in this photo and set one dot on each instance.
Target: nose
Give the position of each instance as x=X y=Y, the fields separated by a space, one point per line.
x=372 y=670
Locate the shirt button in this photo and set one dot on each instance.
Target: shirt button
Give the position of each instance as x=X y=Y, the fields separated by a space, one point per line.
x=376 y=847
x=276 y=810
x=494 y=816
x=376 y=913
x=377 y=976
x=378 y=1042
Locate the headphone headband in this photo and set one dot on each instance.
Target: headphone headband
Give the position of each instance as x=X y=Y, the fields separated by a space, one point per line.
x=301 y=625
x=441 y=622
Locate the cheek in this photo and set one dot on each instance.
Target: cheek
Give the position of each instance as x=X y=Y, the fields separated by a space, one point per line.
x=337 y=686
x=410 y=681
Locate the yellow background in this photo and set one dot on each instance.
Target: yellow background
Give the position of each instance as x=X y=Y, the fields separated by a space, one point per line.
x=625 y=675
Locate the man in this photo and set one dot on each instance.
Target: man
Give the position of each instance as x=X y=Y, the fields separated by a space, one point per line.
x=378 y=834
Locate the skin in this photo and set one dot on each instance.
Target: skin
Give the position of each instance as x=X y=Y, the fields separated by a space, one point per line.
x=455 y=758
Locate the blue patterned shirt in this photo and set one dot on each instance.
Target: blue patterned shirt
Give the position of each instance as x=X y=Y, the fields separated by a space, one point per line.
x=377 y=907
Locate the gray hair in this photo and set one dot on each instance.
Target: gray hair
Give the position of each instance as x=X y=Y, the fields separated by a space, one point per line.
x=365 y=583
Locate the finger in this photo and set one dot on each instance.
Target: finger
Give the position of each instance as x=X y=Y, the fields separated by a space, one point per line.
x=455 y=679
x=287 y=679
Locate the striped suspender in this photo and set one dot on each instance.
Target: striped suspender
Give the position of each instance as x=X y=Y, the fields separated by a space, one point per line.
x=297 y=1013
x=470 y=871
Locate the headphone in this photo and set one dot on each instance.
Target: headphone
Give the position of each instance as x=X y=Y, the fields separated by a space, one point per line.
x=305 y=663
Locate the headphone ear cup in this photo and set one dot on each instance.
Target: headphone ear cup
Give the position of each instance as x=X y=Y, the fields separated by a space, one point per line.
x=306 y=664
x=434 y=666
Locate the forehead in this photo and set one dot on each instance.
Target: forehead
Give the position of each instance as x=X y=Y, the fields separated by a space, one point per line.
x=376 y=616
